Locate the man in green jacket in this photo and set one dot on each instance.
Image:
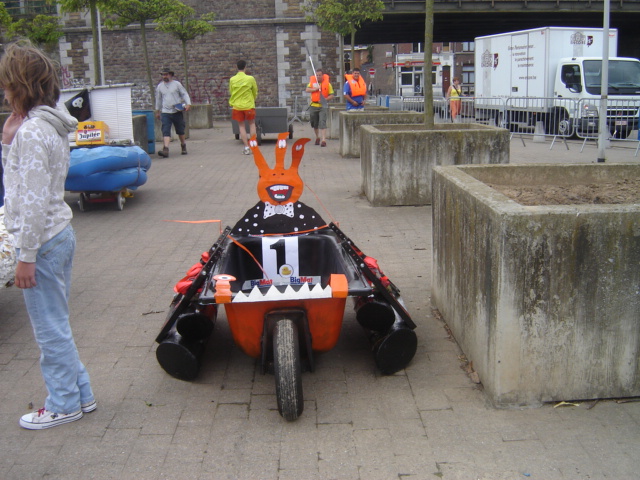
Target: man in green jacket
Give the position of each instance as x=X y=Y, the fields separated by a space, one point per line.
x=244 y=90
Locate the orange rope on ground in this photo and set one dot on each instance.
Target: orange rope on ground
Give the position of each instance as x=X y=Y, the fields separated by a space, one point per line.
x=196 y=222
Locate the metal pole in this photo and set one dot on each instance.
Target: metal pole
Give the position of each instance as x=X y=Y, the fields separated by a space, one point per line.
x=603 y=131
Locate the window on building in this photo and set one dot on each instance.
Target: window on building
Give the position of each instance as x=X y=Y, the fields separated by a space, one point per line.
x=434 y=75
x=468 y=46
x=468 y=74
x=446 y=47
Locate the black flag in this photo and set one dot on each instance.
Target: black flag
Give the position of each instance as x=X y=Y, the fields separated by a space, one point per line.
x=79 y=106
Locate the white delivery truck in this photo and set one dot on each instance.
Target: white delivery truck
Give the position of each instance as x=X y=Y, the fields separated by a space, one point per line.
x=553 y=75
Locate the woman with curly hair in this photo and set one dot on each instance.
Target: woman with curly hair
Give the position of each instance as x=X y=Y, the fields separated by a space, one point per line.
x=35 y=157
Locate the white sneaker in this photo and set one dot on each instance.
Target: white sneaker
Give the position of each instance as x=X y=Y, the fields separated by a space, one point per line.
x=88 y=407
x=246 y=151
x=45 y=419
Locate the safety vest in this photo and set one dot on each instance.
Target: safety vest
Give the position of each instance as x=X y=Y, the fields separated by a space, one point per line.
x=324 y=86
x=358 y=88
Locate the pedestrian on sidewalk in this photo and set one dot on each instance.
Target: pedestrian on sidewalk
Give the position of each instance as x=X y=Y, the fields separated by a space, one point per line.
x=35 y=155
x=243 y=91
x=171 y=100
x=453 y=95
x=355 y=91
x=321 y=93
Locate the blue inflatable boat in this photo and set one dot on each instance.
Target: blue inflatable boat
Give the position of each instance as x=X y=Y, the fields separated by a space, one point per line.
x=107 y=171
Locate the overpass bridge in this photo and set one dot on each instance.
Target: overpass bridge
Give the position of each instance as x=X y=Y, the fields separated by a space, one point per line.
x=463 y=20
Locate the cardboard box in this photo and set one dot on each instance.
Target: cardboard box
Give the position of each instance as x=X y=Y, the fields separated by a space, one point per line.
x=92 y=133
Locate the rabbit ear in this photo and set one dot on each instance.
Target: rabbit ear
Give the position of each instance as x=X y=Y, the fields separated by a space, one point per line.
x=298 y=152
x=258 y=158
x=281 y=149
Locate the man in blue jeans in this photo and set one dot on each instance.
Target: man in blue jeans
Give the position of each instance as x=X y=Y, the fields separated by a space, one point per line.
x=171 y=100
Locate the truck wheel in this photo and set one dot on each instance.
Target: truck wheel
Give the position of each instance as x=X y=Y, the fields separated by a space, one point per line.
x=259 y=134
x=559 y=123
x=287 y=369
x=502 y=121
x=621 y=132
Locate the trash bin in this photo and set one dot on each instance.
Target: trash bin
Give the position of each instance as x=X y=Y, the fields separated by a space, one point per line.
x=151 y=132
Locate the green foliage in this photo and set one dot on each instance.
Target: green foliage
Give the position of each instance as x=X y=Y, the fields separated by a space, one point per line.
x=184 y=25
x=79 y=5
x=140 y=11
x=343 y=17
x=127 y=12
x=5 y=18
x=41 y=29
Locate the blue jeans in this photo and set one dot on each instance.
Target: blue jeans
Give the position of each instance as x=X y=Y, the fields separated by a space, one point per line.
x=65 y=376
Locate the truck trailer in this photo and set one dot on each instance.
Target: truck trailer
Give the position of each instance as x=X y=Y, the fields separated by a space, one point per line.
x=553 y=75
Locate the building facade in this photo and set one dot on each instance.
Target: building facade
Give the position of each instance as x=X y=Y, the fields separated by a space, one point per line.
x=272 y=36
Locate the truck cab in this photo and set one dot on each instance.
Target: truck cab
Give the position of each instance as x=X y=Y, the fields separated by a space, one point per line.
x=580 y=78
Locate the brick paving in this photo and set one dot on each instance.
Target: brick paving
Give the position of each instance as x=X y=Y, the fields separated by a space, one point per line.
x=429 y=421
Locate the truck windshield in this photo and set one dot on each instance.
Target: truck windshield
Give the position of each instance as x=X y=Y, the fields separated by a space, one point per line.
x=624 y=76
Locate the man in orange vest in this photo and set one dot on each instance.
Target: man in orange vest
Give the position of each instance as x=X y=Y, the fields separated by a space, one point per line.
x=321 y=92
x=355 y=91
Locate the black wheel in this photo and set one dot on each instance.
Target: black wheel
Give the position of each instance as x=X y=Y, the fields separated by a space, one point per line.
x=83 y=200
x=501 y=121
x=559 y=123
x=621 y=132
x=237 y=136
x=287 y=369
x=259 y=134
x=291 y=131
x=120 y=201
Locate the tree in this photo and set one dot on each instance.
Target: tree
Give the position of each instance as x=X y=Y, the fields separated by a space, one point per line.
x=344 y=17
x=5 y=18
x=428 y=61
x=42 y=30
x=92 y=6
x=184 y=26
x=141 y=11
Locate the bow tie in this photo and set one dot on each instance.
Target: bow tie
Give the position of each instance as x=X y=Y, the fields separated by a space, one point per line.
x=270 y=210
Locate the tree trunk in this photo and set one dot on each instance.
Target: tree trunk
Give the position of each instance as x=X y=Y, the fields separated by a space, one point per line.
x=186 y=65
x=96 y=46
x=146 y=61
x=353 y=51
x=428 y=63
x=341 y=79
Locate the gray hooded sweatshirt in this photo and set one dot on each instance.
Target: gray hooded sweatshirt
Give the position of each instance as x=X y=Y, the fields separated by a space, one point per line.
x=35 y=168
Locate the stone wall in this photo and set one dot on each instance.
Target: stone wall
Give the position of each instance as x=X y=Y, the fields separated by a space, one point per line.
x=270 y=35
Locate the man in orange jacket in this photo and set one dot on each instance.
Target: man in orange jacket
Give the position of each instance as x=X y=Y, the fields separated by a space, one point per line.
x=355 y=91
x=321 y=92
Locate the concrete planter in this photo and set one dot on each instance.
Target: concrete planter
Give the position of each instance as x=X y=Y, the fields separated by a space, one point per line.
x=397 y=160
x=350 y=123
x=544 y=300
x=200 y=116
x=333 y=118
